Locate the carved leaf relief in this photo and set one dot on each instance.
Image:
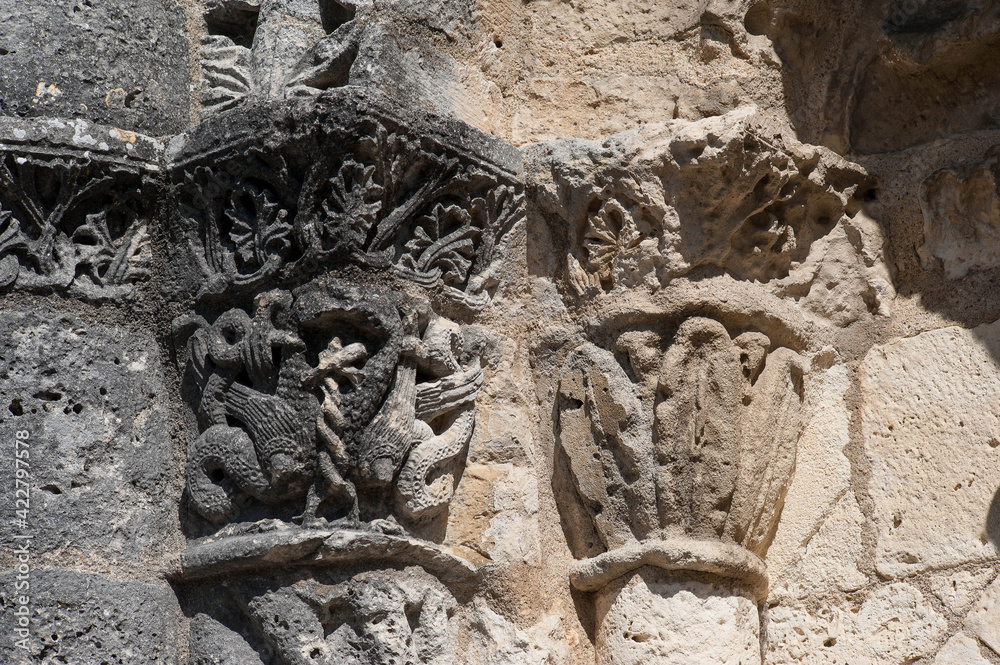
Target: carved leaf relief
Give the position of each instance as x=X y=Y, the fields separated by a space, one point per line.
x=708 y=455
x=71 y=225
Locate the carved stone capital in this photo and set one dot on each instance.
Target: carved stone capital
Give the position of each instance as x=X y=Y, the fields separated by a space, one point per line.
x=76 y=204
x=272 y=193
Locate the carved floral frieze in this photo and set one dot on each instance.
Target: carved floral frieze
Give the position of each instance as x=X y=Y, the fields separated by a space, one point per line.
x=734 y=195
x=362 y=190
x=73 y=222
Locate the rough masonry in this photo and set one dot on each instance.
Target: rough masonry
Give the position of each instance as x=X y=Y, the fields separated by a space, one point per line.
x=554 y=333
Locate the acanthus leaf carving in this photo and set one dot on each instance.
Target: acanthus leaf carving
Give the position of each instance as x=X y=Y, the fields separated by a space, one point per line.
x=705 y=456
x=241 y=57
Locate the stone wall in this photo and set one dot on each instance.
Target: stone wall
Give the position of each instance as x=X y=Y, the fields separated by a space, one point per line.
x=499 y=333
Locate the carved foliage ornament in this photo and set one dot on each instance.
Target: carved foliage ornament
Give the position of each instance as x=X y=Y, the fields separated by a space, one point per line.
x=730 y=195
x=387 y=201
x=71 y=224
x=338 y=399
x=702 y=448
x=275 y=49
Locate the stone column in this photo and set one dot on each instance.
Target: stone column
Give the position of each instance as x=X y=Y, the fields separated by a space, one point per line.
x=328 y=245
x=675 y=603
x=88 y=518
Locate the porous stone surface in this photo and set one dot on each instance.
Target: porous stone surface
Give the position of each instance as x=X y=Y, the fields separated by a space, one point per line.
x=353 y=332
x=81 y=617
x=649 y=618
x=949 y=377
x=89 y=401
x=117 y=63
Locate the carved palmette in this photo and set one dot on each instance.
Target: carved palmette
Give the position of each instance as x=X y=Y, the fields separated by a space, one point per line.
x=725 y=422
x=369 y=194
x=72 y=225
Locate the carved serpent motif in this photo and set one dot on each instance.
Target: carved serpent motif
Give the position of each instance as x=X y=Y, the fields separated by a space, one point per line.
x=374 y=423
x=255 y=438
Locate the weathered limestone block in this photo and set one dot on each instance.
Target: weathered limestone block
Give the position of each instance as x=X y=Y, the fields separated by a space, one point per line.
x=77 y=201
x=930 y=429
x=101 y=459
x=87 y=618
x=830 y=558
x=651 y=616
x=818 y=540
x=494 y=640
x=960 y=650
x=984 y=619
x=894 y=624
x=121 y=63
x=958 y=590
x=601 y=67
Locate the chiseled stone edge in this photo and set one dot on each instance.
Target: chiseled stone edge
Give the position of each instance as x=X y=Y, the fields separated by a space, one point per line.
x=215 y=557
x=718 y=558
x=340 y=109
x=79 y=138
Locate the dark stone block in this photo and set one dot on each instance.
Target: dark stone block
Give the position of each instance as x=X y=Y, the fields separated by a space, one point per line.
x=120 y=63
x=76 y=202
x=84 y=618
x=100 y=458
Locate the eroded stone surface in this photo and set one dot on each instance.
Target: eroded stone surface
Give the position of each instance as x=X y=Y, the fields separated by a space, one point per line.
x=819 y=493
x=91 y=399
x=87 y=618
x=731 y=192
x=894 y=624
x=438 y=408
x=960 y=650
x=984 y=619
x=930 y=429
x=121 y=63
x=648 y=617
